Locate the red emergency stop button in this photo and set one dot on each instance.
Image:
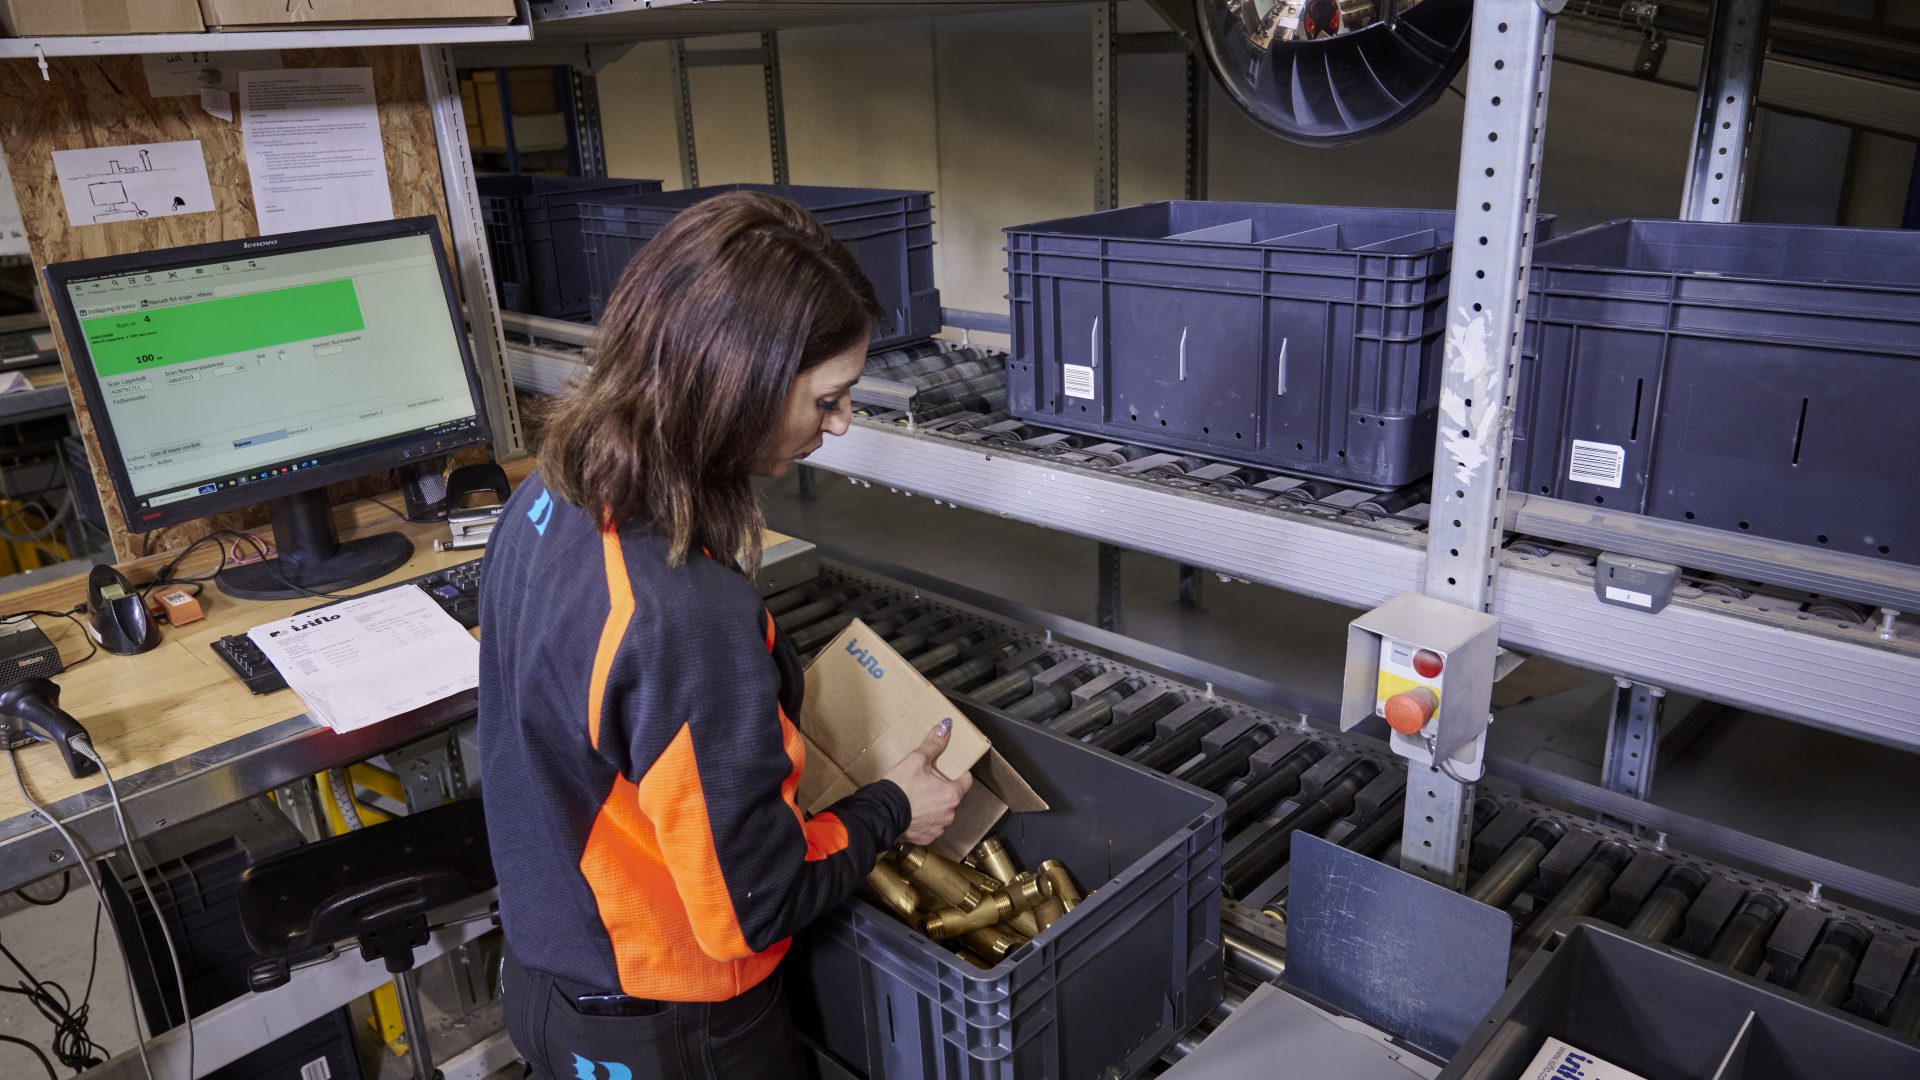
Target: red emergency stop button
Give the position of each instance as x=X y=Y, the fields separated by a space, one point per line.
x=1428 y=663
x=1409 y=710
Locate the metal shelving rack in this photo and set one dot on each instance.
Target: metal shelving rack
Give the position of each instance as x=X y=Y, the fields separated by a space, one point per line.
x=1755 y=652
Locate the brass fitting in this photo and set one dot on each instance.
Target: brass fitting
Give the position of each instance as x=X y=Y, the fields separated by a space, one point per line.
x=991 y=944
x=983 y=882
x=891 y=888
x=1025 y=924
x=1049 y=912
x=1063 y=887
x=991 y=856
x=938 y=878
x=953 y=922
x=1027 y=891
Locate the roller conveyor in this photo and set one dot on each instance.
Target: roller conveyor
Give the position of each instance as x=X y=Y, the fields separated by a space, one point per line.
x=1542 y=865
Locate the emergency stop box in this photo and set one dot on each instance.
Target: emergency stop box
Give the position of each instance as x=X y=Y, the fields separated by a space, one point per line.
x=1427 y=667
x=866 y=708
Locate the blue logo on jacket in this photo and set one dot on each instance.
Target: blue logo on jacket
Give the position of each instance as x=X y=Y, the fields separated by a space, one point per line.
x=583 y=1069
x=542 y=513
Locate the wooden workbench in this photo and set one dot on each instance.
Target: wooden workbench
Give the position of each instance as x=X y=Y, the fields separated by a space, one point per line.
x=184 y=736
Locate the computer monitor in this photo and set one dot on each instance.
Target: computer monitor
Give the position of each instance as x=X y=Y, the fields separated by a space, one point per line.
x=261 y=370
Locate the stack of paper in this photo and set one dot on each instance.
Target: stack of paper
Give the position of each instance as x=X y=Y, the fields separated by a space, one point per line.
x=361 y=661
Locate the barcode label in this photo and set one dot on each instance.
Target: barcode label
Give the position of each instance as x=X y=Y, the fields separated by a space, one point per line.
x=316 y=1070
x=1597 y=463
x=1078 y=381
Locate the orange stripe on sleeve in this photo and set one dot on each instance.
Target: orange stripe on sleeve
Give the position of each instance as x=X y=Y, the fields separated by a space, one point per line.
x=672 y=798
x=619 y=614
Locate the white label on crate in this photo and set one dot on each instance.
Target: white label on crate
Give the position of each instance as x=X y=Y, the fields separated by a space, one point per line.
x=1628 y=596
x=1558 y=1061
x=1078 y=381
x=316 y=1070
x=1597 y=463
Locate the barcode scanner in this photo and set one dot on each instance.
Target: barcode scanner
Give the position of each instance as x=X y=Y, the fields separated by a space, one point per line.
x=33 y=706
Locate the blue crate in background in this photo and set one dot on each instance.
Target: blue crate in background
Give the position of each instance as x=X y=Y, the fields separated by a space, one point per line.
x=1753 y=378
x=533 y=237
x=890 y=234
x=1307 y=339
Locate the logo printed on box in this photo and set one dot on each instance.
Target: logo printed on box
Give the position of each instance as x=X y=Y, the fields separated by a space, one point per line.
x=867 y=660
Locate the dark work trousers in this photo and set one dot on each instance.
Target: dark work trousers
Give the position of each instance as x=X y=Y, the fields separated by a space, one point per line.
x=749 y=1037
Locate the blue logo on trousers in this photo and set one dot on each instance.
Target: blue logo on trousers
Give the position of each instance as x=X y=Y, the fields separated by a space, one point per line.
x=583 y=1069
x=542 y=513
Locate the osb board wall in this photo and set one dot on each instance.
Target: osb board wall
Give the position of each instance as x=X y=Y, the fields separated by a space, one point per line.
x=103 y=101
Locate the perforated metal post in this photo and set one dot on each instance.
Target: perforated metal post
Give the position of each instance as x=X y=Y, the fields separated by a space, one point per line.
x=776 y=107
x=1501 y=138
x=1106 y=141
x=589 y=140
x=683 y=114
x=1729 y=93
x=1199 y=88
x=1633 y=738
x=470 y=256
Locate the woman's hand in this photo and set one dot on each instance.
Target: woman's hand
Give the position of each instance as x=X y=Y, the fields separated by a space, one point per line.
x=932 y=796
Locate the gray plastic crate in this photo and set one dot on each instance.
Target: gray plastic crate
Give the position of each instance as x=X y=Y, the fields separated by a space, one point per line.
x=890 y=234
x=1669 y=1016
x=1302 y=338
x=1753 y=378
x=533 y=238
x=1102 y=993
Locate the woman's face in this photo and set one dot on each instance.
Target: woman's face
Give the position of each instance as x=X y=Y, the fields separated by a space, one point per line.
x=818 y=405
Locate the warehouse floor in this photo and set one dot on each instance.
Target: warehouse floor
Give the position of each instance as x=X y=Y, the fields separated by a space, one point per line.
x=1822 y=793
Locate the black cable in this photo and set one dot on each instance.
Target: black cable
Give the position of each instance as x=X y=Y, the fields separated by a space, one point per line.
x=66 y=886
x=268 y=562
x=72 y=616
x=71 y=1044
x=382 y=504
x=48 y=1065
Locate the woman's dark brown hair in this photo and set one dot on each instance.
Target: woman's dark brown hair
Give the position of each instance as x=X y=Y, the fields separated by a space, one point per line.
x=701 y=340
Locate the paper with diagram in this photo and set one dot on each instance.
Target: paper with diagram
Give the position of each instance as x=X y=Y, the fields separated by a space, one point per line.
x=312 y=138
x=127 y=183
x=377 y=656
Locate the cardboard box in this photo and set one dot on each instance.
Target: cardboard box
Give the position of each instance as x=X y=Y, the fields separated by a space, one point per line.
x=54 y=18
x=279 y=14
x=866 y=708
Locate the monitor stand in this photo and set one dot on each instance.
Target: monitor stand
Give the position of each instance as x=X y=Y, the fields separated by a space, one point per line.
x=311 y=554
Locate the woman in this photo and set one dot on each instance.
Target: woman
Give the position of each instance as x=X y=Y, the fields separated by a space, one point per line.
x=636 y=700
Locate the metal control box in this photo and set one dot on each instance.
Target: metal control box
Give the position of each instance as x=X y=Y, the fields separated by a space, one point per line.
x=1427 y=667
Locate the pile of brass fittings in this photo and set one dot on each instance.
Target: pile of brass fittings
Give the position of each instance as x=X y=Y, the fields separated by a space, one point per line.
x=985 y=907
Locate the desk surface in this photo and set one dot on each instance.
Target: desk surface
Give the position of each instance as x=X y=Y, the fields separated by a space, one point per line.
x=182 y=735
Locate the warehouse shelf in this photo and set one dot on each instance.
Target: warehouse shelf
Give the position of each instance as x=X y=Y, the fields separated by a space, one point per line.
x=217 y=41
x=1741 y=652
x=1754 y=652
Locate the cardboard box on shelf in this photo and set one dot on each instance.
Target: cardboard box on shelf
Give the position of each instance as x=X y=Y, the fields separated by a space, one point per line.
x=57 y=18
x=280 y=14
x=866 y=708
x=534 y=89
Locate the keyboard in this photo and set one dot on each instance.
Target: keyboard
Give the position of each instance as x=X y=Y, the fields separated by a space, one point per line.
x=455 y=588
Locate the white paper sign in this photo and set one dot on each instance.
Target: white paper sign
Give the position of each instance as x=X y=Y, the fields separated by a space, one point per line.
x=362 y=661
x=185 y=74
x=127 y=183
x=13 y=229
x=218 y=103
x=313 y=148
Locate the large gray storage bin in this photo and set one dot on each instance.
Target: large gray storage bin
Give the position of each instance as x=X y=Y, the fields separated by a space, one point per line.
x=1102 y=993
x=1302 y=338
x=1753 y=378
x=1669 y=1016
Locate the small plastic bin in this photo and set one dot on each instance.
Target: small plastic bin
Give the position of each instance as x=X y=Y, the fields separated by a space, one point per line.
x=1101 y=993
x=1302 y=338
x=1753 y=378
x=890 y=234
x=533 y=236
x=1669 y=1016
